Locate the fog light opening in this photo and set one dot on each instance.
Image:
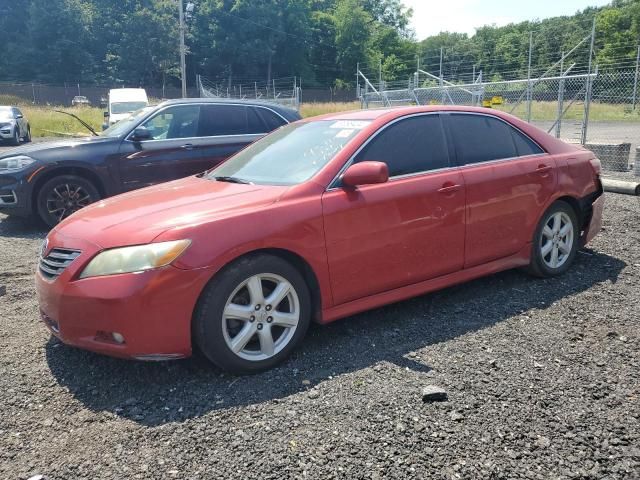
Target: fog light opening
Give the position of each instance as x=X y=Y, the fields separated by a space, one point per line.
x=117 y=337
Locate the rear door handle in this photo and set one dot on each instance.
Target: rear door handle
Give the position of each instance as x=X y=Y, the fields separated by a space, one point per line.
x=187 y=146
x=543 y=168
x=449 y=187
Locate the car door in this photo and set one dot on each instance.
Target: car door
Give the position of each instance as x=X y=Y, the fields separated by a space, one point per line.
x=227 y=128
x=170 y=153
x=409 y=229
x=508 y=179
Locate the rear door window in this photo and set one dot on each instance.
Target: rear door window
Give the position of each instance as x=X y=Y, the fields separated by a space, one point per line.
x=412 y=145
x=481 y=138
x=219 y=120
x=524 y=145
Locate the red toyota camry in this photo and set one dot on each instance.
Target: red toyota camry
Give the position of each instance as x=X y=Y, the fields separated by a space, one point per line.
x=317 y=221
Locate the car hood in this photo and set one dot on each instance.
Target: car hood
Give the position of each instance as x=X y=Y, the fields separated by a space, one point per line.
x=32 y=149
x=140 y=216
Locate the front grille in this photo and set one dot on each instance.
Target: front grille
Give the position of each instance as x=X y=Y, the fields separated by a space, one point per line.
x=57 y=261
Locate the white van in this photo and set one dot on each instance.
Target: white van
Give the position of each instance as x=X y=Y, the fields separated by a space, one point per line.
x=124 y=101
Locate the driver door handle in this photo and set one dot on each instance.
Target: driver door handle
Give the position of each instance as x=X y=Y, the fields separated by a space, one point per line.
x=187 y=146
x=449 y=187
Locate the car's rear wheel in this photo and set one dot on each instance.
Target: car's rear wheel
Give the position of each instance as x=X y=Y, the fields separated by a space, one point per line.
x=253 y=314
x=16 y=137
x=61 y=196
x=555 y=243
x=27 y=137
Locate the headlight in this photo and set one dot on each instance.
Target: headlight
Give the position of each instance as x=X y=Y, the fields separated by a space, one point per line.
x=134 y=259
x=15 y=163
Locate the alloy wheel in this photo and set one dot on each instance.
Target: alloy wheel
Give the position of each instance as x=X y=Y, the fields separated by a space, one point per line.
x=65 y=199
x=260 y=317
x=556 y=241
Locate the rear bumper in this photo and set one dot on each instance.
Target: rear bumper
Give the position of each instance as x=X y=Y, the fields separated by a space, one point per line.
x=593 y=206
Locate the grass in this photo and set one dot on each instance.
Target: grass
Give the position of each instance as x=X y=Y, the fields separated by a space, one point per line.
x=47 y=123
x=313 y=109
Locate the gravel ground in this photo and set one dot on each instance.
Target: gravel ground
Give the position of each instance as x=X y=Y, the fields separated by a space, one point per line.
x=543 y=382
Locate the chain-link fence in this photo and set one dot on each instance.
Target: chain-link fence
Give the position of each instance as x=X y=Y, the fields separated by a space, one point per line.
x=284 y=91
x=598 y=110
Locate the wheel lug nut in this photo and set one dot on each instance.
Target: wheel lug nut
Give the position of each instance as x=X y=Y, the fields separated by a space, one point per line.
x=258 y=307
x=259 y=326
x=268 y=307
x=269 y=319
x=252 y=318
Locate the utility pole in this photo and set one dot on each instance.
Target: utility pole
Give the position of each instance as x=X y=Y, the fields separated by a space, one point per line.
x=183 y=64
x=529 y=79
x=587 y=95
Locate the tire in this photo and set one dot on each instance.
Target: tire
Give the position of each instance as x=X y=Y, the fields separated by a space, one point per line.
x=215 y=333
x=61 y=196
x=27 y=137
x=15 y=141
x=555 y=242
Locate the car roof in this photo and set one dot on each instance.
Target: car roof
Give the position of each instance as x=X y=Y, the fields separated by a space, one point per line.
x=289 y=113
x=376 y=113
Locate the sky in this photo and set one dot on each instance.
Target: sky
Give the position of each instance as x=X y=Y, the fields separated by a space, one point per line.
x=431 y=17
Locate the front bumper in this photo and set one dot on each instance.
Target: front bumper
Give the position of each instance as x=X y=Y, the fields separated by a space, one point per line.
x=15 y=194
x=151 y=310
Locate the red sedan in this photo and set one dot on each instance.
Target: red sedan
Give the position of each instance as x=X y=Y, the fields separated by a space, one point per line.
x=321 y=219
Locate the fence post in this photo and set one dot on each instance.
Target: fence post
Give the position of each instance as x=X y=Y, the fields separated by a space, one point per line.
x=441 y=79
x=587 y=95
x=33 y=92
x=529 y=79
x=560 y=97
x=635 y=79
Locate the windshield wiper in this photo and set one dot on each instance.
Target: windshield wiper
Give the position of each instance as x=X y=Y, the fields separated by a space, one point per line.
x=84 y=124
x=232 y=180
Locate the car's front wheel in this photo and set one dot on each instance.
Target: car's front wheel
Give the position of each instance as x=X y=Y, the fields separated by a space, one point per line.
x=15 y=140
x=555 y=243
x=253 y=314
x=61 y=196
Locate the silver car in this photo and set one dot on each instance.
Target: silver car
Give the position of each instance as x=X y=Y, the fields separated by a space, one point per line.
x=13 y=126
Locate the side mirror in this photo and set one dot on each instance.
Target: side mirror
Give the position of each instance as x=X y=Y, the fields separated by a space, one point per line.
x=105 y=114
x=141 y=133
x=365 y=173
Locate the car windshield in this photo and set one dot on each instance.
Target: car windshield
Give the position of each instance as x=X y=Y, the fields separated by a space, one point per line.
x=6 y=113
x=126 y=107
x=290 y=155
x=124 y=125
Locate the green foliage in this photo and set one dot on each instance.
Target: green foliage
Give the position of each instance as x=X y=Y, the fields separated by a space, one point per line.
x=135 y=42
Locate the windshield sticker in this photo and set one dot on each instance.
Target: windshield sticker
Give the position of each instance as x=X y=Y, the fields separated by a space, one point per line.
x=344 y=133
x=350 y=124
